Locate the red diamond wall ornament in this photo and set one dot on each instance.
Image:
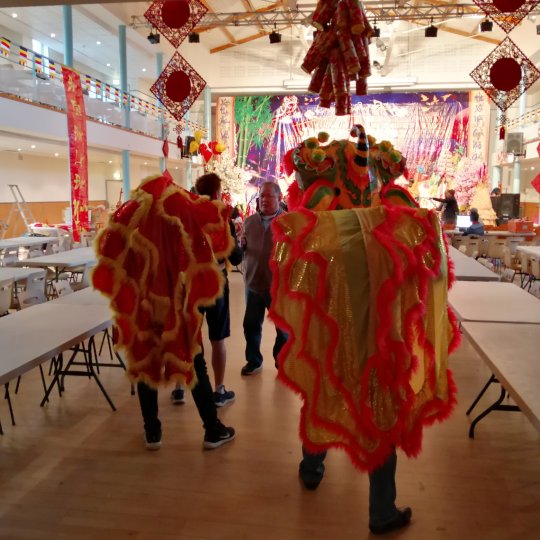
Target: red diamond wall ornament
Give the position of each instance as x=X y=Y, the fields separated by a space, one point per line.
x=175 y=19
x=178 y=86
x=505 y=74
x=507 y=13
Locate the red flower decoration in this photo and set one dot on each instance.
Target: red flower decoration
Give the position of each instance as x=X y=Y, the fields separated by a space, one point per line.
x=178 y=86
x=175 y=19
x=506 y=13
x=505 y=74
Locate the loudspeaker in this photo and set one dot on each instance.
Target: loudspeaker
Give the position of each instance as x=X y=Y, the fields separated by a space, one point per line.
x=514 y=143
x=509 y=206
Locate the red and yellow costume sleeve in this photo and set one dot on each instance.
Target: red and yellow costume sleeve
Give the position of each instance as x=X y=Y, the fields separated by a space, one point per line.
x=156 y=264
x=362 y=295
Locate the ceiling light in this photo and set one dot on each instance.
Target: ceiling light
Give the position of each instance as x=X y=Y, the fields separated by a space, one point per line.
x=145 y=163
x=19 y=149
x=376 y=29
x=275 y=37
x=194 y=38
x=116 y=82
x=53 y=35
x=56 y=154
x=486 y=26
x=98 y=42
x=14 y=15
x=110 y=161
x=32 y=146
x=431 y=31
x=153 y=38
x=108 y=65
x=144 y=70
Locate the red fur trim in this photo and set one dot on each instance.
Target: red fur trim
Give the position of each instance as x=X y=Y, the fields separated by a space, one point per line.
x=288 y=164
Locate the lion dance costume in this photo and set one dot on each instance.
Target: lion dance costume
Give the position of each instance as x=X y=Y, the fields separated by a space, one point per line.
x=156 y=264
x=360 y=281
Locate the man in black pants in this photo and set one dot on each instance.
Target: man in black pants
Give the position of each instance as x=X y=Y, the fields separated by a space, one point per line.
x=215 y=435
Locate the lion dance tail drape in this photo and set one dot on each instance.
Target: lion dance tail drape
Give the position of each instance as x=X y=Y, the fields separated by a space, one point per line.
x=369 y=335
x=156 y=263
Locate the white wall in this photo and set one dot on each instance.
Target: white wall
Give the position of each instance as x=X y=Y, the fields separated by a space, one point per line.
x=43 y=178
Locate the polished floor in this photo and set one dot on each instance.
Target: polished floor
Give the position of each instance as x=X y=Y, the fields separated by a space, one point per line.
x=77 y=470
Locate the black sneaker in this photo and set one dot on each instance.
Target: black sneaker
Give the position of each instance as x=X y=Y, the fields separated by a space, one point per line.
x=177 y=396
x=401 y=519
x=152 y=439
x=311 y=477
x=223 y=398
x=222 y=435
x=250 y=369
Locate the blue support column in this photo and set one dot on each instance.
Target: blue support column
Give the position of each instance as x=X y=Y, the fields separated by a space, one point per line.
x=126 y=177
x=494 y=117
x=122 y=48
x=208 y=112
x=159 y=69
x=68 y=36
x=516 y=187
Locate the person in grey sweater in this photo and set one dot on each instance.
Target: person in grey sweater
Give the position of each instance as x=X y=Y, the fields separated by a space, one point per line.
x=257 y=243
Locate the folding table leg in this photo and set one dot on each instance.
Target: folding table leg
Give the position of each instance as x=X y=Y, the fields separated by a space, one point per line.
x=491 y=380
x=8 y=397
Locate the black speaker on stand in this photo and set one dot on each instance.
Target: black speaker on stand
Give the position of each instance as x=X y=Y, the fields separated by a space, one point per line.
x=508 y=206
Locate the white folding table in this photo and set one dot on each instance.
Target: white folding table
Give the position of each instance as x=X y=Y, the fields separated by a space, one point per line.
x=483 y=301
x=469 y=269
x=63 y=259
x=26 y=241
x=533 y=251
x=54 y=328
x=511 y=352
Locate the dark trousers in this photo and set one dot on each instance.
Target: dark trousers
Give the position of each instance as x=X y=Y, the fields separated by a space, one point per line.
x=202 y=393
x=382 y=485
x=256 y=306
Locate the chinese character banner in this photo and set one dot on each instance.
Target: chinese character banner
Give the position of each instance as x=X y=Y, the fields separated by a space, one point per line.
x=78 y=151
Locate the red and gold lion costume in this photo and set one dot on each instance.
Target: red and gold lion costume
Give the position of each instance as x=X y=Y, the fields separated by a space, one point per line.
x=156 y=263
x=362 y=294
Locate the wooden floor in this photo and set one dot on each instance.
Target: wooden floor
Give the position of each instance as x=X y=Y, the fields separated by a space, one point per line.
x=77 y=470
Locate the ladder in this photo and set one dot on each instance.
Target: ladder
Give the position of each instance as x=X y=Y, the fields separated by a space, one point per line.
x=21 y=206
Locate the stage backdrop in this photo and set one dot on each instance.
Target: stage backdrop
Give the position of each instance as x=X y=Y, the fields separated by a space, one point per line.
x=424 y=126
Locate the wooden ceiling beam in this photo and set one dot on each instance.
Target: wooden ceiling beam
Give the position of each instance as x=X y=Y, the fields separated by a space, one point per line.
x=243 y=40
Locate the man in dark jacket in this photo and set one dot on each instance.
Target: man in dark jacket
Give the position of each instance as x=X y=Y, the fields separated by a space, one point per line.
x=257 y=243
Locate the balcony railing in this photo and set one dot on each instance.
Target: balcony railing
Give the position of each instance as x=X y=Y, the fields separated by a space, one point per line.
x=38 y=79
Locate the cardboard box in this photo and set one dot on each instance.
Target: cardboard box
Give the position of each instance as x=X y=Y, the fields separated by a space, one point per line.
x=520 y=226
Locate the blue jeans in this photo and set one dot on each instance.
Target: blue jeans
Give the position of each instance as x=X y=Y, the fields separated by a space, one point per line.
x=382 y=485
x=256 y=306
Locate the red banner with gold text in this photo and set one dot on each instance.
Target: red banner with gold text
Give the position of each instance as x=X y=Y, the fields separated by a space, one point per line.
x=78 y=151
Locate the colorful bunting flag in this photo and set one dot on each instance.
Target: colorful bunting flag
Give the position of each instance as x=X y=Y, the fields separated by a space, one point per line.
x=38 y=63
x=5 y=46
x=98 y=86
x=23 y=55
x=52 y=69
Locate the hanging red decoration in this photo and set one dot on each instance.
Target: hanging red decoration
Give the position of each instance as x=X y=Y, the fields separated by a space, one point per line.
x=505 y=74
x=175 y=14
x=175 y=19
x=499 y=85
x=507 y=13
x=178 y=86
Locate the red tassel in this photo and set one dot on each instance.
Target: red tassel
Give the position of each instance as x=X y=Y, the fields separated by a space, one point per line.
x=165 y=148
x=502 y=132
